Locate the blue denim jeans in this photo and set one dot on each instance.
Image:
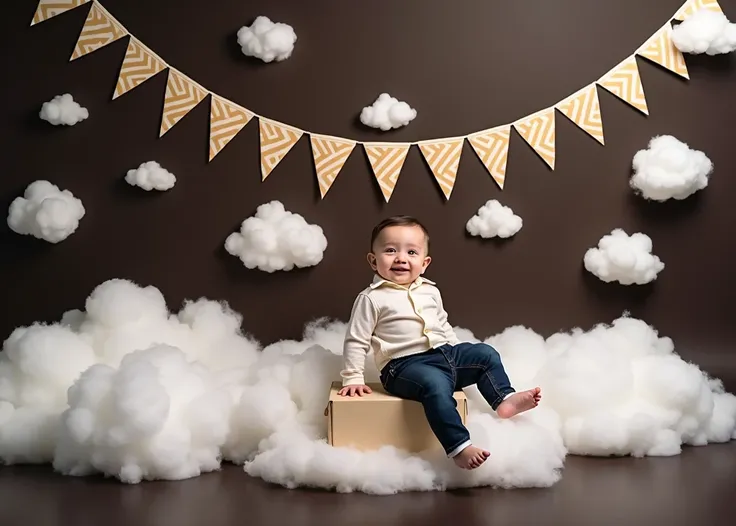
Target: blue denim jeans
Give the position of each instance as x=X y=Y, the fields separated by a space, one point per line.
x=433 y=376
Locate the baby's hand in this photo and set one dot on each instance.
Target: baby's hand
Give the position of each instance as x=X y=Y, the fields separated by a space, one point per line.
x=352 y=390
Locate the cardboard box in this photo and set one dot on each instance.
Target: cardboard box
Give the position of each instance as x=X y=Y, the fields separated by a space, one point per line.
x=372 y=421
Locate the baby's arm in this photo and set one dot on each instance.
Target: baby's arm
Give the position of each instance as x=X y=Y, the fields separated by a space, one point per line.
x=357 y=344
x=442 y=317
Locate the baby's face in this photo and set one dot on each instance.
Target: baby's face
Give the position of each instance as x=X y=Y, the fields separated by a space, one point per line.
x=400 y=254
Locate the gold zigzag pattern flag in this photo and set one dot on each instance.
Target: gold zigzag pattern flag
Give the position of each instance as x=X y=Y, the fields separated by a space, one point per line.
x=226 y=121
x=182 y=95
x=538 y=131
x=443 y=158
x=492 y=148
x=139 y=65
x=99 y=30
x=330 y=155
x=695 y=5
x=386 y=160
x=277 y=139
x=624 y=81
x=50 y=8
x=584 y=109
x=661 y=50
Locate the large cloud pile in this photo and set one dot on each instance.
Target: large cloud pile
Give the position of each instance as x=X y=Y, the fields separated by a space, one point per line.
x=151 y=176
x=45 y=212
x=276 y=239
x=705 y=31
x=669 y=169
x=128 y=389
x=624 y=258
x=267 y=40
x=63 y=109
x=387 y=112
x=494 y=220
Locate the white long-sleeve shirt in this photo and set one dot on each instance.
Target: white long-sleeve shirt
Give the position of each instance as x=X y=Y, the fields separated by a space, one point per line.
x=393 y=321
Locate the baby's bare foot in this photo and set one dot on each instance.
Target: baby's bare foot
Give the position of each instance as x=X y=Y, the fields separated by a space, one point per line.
x=519 y=402
x=471 y=457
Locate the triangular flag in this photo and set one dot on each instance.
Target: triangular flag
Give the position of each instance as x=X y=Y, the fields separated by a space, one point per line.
x=99 y=30
x=50 y=8
x=538 y=130
x=330 y=155
x=226 y=121
x=277 y=140
x=139 y=65
x=661 y=50
x=584 y=109
x=624 y=82
x=492 y=148
x=695 y=5
x=386 y=159
x=182 y=95
x=443 y=158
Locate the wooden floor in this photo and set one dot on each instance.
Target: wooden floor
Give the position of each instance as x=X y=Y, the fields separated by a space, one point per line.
x=698 y=486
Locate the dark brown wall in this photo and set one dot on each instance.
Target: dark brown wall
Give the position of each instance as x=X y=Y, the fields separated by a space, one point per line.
x=465 y=66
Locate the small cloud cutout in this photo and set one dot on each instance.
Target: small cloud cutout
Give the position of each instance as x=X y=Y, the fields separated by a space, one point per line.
x=45 y=212
x=267 y=40
x=705 y=31
x=151 y=176
x=623 y=258
x=387 y=112
x=63 y=109
x=669 y=169
x=275 y=239
x=494 y=220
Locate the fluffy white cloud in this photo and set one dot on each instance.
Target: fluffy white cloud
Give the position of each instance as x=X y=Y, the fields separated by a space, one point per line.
x=45 y=212
x=63 y=109
x=267 y=40
x=151 y=176
x=129 y=390
x=387 y=112
x=705 y=31
x=623 y=258
x=494 y=220
x=669 y=169
x=275 y=239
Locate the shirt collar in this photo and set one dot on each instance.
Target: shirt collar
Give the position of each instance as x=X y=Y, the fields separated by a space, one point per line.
x=378 y=281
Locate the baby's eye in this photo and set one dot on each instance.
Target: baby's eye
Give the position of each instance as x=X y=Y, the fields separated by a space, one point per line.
x=389 y=250
x=413 y=252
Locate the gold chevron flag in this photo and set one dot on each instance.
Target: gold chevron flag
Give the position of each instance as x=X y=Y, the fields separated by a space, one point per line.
x=443 y=158
x=330 y=155
x=584 y=109
x=226 y=121
x=492 y=148
x=386 y=160
x=277 y=139
x=695 y=5
x=624 y=82
x=99 y=30
x=139 y=65
x=182 y=95
x=661 y=50
x=50 y=8
x=538 y=130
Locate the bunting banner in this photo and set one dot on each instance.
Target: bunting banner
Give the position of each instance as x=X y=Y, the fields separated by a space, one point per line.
x=386 y=159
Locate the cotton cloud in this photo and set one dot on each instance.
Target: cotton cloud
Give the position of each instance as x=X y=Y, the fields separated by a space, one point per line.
x=387 y=113
x=275 y=239
x=151 y=176
x=45 y=212
x=267 y=40
x=623 y=258
x=63 y=109
x=705 y=31
x=494 y=220
x=130 y=390
x=669 y=169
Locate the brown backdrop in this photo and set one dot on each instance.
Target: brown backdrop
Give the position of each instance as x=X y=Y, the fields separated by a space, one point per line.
x=465 y=66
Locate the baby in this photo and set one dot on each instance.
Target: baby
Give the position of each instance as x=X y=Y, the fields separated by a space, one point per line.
x=401 y=318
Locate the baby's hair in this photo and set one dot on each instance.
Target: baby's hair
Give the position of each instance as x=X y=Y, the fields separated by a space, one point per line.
x=401 y=220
